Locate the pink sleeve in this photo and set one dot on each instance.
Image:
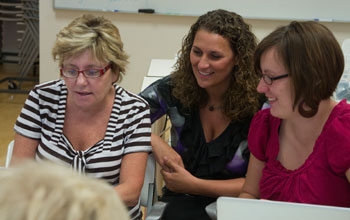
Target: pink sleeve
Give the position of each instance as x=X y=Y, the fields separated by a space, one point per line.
x=259 y=134
x=338 y=144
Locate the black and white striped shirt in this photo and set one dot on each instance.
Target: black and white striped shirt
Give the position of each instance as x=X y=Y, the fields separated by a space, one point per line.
x=128 y=131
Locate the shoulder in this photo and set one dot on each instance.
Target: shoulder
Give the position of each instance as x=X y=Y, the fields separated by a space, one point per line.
x=50 y=87
x=263 y=118
x=54 y=84
x=338 y=126
x=160 y=94
x=160 y=87
x=339 y=120
x=259 y=124
x=337 y=135
x=48 y=91
x=127 y=98
x=261 y=128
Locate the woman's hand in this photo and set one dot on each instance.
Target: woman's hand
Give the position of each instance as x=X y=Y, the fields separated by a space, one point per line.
x=176 y=177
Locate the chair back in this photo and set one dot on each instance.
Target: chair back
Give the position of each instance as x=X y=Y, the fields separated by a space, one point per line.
x=148 y=189
x=9 y=154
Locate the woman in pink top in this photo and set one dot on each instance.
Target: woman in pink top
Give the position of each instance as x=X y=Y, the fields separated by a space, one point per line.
x=300 y=147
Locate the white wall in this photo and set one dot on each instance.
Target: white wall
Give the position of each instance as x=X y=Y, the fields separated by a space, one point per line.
x=145 y=36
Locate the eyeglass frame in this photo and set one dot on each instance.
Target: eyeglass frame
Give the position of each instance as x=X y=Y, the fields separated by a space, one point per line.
x=102 y=71
x=271 y=79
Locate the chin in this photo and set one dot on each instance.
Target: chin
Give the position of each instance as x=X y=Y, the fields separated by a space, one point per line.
x=281 y=115
x=275 y=113
x=201 y=84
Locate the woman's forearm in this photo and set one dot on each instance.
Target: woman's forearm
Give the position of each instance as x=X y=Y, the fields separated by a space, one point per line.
x=161 y=149
x=216 y=188
x=131 y=177
x=24 y=148
x=128 y=195
x=246 y=195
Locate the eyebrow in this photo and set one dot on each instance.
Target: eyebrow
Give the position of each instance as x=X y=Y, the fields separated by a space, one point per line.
x=210 y=52
x=91 y=66
x=268 y=71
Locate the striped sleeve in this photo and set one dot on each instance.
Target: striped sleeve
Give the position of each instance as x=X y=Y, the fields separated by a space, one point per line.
x=138 y=133
x=137 y=125
x=38 y=115
x=28 y=122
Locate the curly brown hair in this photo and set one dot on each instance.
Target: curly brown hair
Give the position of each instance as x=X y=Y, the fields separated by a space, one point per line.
x=241 y=98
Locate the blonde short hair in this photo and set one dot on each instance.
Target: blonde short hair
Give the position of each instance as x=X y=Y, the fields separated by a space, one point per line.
x=93 y=33
x=48 y=191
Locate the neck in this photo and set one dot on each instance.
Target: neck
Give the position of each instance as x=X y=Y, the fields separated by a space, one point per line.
x=215 y=97
x=93 y=110
x=213 y=107
x=214 y=103
x=302 y=127
x=216 y=94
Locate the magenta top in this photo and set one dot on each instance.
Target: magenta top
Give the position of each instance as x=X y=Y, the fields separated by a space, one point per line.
x=321 y=179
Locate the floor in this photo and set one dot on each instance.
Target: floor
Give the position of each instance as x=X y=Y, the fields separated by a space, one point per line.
x=10 y=107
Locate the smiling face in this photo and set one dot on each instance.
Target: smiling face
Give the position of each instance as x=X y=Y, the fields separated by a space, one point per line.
x=88 y=92
x=279 y=92
x=212 y=60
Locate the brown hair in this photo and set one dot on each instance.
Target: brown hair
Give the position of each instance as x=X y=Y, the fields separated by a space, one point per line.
x=241 y=98
x=97 y=34
x=313 y=59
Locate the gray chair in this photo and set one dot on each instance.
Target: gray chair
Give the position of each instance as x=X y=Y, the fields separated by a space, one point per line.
x=211 y=210
x=9 y=154
x=149 y=197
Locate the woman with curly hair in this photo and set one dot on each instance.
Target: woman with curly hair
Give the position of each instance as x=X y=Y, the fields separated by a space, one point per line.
x=210 y=99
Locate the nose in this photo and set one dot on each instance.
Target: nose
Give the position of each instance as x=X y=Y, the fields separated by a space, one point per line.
x=203 y=62
x=262 y=86
x=81 y=79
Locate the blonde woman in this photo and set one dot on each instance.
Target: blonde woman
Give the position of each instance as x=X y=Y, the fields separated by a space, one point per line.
x=85 y=119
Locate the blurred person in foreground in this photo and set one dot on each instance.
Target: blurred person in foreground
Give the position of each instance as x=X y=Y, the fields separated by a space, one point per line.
x=48 y=191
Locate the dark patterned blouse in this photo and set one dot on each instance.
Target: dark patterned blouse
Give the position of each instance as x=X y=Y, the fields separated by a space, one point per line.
x=225 y=157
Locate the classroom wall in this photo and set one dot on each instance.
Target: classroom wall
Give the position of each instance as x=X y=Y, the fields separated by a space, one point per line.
x=145 y=36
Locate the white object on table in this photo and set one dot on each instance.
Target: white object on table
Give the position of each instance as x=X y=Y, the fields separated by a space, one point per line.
x=148 y=80
x=161 y=67
x=157 y=69
x=237 y=208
